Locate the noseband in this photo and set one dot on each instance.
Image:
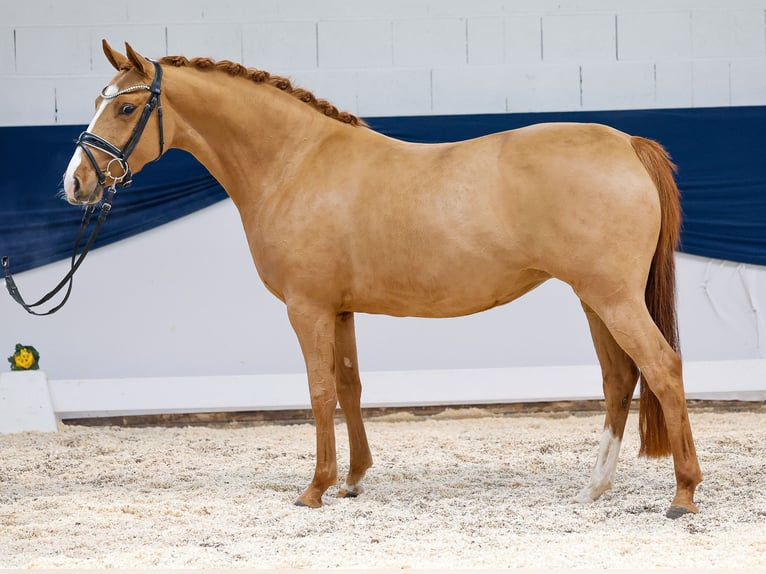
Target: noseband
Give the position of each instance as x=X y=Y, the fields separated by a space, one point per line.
x=86 y=141
x=89 y=140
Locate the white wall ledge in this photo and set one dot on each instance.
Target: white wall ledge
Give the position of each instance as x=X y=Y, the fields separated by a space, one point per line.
x=742 y=380
x=25 y=403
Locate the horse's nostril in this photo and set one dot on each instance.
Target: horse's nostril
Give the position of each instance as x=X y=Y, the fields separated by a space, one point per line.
x=76 y=186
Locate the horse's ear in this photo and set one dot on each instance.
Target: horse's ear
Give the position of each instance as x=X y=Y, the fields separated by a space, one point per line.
x=140 y=63
x=115 y=58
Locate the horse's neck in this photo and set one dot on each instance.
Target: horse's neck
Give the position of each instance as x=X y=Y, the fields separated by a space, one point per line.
x=248 y=136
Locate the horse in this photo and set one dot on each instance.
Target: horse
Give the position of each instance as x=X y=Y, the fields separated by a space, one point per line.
x=341 y=220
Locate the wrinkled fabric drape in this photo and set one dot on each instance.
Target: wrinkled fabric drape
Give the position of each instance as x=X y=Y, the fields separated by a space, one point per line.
x=720 y=154
x=38 y=227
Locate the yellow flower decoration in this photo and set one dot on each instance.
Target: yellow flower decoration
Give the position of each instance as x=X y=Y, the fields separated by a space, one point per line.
x=25 y=358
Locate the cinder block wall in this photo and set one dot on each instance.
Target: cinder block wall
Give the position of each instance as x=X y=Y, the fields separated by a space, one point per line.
x=402 y=57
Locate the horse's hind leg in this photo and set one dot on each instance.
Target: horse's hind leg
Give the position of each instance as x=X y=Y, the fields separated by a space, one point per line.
x=349 y=388
x=620 y=376
x=634 y=330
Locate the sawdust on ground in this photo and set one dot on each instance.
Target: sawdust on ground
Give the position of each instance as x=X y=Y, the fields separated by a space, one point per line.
x=463 y=490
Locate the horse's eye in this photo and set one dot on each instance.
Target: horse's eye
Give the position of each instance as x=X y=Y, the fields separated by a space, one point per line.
x=126 y=109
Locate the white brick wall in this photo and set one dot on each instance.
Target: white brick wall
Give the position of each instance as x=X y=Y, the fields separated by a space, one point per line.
x=510 y=40
x=617 y=85
x=355 y=44
x=432 y=42
x=410 y=88
x=711 y=84
x=728 y=33
x=657 y=35
x=544 y=88
x=70 y=103
x=34 y=55
x=61 y=14
x=403 y=57
x=485 y=41
x=28 y=101
x=473 y=90
x=523 y=39
x=748 y=82
x=216 y=40
x=673 y=84
x=279 y=45
x=579 y=37
x=7 y=51
x=337 y=85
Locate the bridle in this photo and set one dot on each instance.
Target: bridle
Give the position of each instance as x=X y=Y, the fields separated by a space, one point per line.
x=85 y=141
x=89 y=140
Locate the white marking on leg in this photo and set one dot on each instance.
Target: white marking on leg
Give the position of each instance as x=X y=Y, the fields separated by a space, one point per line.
x=347 y=362
x=78 y=154
x=353 y=489
x=603 y=473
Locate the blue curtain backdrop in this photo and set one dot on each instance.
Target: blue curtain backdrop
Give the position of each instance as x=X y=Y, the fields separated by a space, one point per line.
x=719 y=152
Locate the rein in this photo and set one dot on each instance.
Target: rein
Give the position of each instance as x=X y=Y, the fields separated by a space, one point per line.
x=85 y=141
x=10 y=283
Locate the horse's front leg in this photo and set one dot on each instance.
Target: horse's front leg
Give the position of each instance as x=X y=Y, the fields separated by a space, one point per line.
x=349 y=387
x=315 y=328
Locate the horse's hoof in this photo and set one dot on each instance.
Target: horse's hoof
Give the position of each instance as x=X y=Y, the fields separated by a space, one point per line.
x=676 y=512
x=347 y=491
x=305 y=504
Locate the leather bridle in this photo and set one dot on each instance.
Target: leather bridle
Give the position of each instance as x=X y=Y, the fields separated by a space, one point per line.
x=85 y=141
x=89 y=140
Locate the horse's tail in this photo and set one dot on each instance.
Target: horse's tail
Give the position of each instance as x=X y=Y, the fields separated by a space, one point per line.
x=660 y=292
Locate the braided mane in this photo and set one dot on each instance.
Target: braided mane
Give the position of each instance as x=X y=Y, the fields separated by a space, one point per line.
x=263 y=77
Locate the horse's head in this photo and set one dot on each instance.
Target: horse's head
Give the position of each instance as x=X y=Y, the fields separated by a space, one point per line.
x=112 y=148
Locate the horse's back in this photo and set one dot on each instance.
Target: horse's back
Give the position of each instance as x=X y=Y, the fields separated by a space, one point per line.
x=533 y=194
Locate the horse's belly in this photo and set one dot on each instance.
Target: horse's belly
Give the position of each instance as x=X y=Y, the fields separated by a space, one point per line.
x=452 y=294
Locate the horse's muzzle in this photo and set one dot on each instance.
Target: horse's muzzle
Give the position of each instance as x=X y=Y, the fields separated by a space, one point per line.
x=77 y=195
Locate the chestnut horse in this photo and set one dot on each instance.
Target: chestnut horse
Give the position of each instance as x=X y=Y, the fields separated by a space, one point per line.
x=341 y=219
